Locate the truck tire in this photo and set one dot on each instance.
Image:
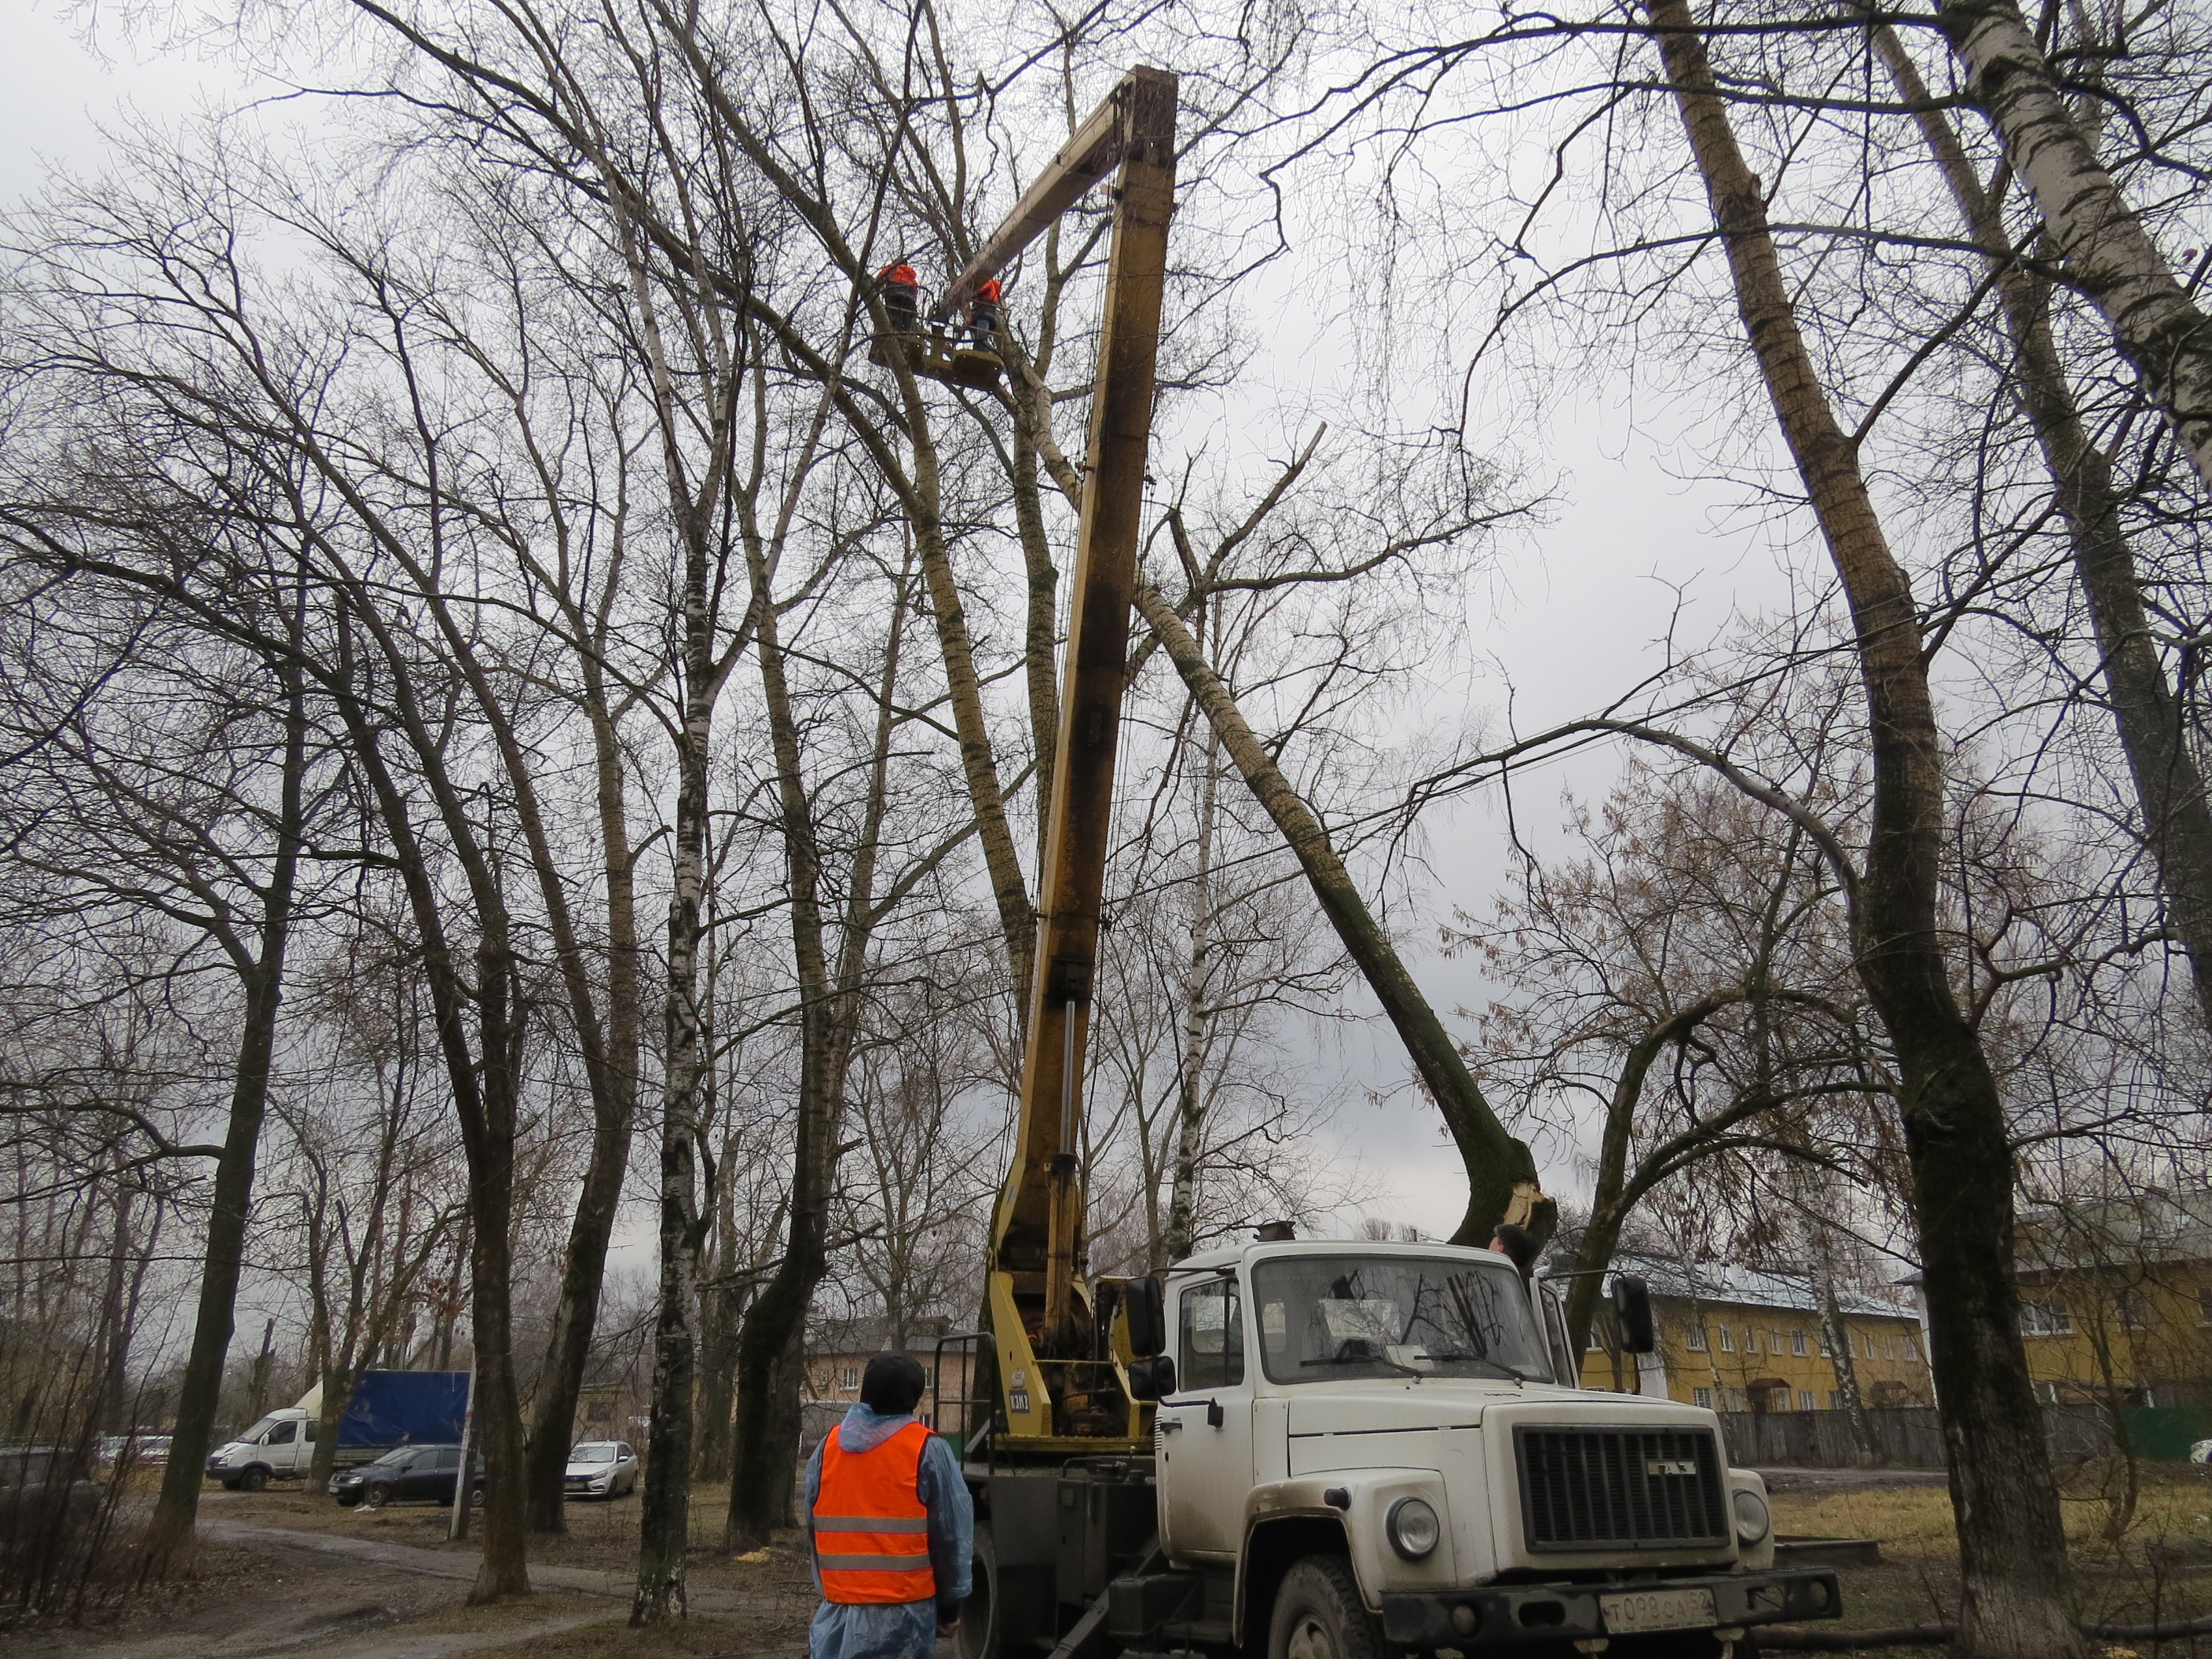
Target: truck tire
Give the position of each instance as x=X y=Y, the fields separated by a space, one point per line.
x=978 y=1636
x=255 y=1478
x=1319 y=1616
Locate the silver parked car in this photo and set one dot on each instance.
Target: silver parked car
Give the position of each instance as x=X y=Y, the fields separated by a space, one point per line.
x=600 y=1469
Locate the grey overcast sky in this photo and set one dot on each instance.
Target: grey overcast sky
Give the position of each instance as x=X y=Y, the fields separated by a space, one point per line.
x=1574 y=616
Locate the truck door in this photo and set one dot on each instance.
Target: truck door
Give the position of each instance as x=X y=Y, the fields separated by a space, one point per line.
x=281 y=1445
x=1205 y=1428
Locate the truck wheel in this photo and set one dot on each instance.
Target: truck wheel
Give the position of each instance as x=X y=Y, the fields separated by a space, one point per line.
x=978 y=1638
x=1319 y=1616
x=255 y=1478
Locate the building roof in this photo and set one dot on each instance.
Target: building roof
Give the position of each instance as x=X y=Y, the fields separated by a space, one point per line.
x=1725 y=1282
x=2136 y=1229
x=873 y=1334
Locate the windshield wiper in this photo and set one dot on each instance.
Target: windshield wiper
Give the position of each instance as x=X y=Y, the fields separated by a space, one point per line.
x=1366 y=1359
x=1460 y=1359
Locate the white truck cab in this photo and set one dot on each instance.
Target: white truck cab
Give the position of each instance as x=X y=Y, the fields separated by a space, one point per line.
x=1362 y=1449
x=280 y=1447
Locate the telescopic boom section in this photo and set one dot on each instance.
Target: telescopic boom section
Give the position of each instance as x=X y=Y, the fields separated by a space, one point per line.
x=1058 y=1380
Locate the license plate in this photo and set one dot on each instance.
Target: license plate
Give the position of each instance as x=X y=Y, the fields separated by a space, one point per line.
x=1631 y=1611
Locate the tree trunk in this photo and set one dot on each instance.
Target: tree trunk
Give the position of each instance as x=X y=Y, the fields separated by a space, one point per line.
x=1501 y=1173
x=1838 y=1331
x=978 y=758
x=2108 y=254
x=1041 y=634
x=1198 y=979
x=614 y=1109
x=169 y=1535
x=2012 y=1550
x=487 y=1138
x=771 y=1347
x=2169 y=785
x=338 y=1391
x=484 y=1090
x=665 y=1518
x=721 y=1317
x=1615 y=1192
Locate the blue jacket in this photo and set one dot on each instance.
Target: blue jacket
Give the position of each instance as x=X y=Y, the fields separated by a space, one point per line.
x=897 y=1630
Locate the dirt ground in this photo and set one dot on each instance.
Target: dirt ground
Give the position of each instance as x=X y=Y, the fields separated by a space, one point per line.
x=2159 y=1570
x=286 y=1572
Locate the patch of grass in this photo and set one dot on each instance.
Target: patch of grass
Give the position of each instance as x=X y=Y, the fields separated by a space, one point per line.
x=2159 y=1568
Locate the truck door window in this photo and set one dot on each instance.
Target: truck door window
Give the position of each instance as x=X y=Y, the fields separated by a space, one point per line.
x=1213 y=1330
x=282 y=1435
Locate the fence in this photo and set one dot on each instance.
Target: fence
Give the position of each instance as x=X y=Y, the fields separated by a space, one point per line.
x=1907 y=1436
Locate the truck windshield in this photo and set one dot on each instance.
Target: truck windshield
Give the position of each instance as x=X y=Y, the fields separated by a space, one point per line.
x=1326 y=1316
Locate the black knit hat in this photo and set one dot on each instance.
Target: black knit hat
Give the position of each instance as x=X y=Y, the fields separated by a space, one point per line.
x=892 y=1384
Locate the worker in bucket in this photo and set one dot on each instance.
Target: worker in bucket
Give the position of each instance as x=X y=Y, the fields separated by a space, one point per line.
x=983 y=317
x=901 y=292
x=890 y=1523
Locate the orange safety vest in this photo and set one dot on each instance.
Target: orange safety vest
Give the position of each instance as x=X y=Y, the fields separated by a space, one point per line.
x=870 y=1529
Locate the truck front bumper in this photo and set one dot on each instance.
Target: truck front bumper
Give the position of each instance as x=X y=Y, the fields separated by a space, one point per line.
x=1514 y=1615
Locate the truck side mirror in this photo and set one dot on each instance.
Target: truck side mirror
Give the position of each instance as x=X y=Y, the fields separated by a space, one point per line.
x=1631 y=1306
x=1153 y=1378
x=1145 y=1303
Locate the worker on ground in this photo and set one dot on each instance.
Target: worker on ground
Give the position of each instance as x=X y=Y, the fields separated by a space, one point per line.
x=890 y=1523
x=983 y=317
x=901 y=292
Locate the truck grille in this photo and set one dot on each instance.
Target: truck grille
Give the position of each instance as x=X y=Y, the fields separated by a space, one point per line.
x=1585 y=1488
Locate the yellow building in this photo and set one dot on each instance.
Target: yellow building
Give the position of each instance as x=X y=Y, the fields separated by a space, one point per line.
x=1738 y=1340
x=2115 y=1299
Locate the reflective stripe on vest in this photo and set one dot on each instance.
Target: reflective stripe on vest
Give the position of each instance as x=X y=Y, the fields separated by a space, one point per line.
x=871 y=1527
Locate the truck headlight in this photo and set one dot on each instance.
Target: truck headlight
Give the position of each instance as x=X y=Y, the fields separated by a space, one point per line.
x=1752 y=1520
x=1413 y=1528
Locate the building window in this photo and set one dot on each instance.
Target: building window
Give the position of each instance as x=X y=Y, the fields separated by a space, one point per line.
x=1736 y=1399
x=2204 y=1305
x=2130 y=1306
x=1750 y=1339
x=1797 y=1347
x=1702 y=1397
x=1696 y=1339
x=850 y=1377
x=2045 y=1319
x=1727 y=1340
x=1804 y=1400
x=1835 y=1399
x=1911 y=1347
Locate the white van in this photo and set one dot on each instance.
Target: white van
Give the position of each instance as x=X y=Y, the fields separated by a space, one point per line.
x=280 y=1447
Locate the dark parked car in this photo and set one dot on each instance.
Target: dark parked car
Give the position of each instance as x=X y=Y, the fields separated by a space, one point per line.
x=35 y=1479
x=427 y=1472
